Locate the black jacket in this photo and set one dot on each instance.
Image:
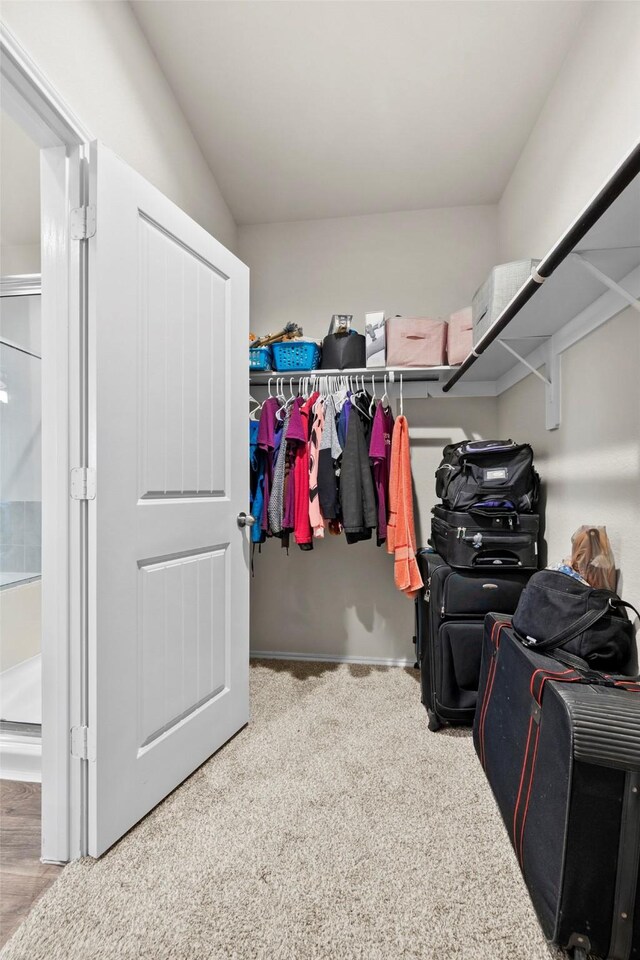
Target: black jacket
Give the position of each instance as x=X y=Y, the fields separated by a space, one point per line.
x=357 y=494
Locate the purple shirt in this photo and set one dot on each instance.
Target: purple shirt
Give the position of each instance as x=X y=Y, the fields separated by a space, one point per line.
x=380 y=456
x=267 y=441
x=295 y=434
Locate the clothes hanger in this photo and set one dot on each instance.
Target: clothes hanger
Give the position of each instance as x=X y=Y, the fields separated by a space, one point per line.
x=384 y=400
x=258 y=406
x=401 y=406
x=373 y=395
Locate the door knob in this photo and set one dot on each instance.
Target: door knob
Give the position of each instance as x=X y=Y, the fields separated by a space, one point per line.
x=246 y=520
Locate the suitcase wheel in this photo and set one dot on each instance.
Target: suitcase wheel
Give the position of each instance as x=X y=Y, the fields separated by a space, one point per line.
x=416 y=665
x=434 y=724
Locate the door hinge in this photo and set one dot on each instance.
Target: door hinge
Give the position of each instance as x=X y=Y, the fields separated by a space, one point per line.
x=83 y=483
x=81 y=744
x=83 y=223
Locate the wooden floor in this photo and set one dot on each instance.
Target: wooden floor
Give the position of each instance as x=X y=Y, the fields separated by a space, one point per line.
x=22 y=877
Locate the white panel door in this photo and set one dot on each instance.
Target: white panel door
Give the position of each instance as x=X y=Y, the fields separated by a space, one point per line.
x=168 y=605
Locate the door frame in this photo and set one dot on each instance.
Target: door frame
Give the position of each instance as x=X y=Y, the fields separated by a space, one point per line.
x=33 y=102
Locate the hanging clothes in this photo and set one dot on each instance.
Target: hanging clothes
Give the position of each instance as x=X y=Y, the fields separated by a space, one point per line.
x=357 y=496
x=343 y=420
x=380 y=456
x=295 y=437
x=257 y=460
x=317 y=428
x=302 y=531
x=276 y=498
x=330 y=453
x=401 y=534
x=267 y=433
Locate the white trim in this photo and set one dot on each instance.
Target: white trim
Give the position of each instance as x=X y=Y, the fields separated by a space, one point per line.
x=20 y=758
x=59 y=801
x=32 y=100
x=464 y=388
x=21 y=285
x=34 y=103
x=331 y=658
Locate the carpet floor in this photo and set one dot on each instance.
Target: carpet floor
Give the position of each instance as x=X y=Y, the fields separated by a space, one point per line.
x=334 y=826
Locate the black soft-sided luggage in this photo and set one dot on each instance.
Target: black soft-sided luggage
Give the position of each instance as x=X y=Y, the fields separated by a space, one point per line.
x=475 y=538
x=449 y=628
x=563 y=760
x=487 y=471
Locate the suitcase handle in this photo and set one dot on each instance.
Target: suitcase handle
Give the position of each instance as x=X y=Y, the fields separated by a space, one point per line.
x=495 y=560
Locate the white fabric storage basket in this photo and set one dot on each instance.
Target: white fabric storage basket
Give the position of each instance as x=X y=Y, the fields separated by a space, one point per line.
x=499 y=288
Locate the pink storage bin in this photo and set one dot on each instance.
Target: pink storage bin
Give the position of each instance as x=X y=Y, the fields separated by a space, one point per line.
x=460 y=340
x=416 y=342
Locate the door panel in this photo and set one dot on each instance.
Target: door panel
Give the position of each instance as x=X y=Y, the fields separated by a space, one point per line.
x=168 y=567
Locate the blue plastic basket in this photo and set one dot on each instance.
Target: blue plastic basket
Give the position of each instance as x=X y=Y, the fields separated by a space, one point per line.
x=260 y=358
x=295 y=355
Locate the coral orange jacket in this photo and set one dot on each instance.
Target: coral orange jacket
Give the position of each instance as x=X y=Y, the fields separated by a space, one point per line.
x=401 y=534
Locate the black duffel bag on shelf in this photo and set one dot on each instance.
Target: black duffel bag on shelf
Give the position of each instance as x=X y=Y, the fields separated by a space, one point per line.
x=498 y=472
x=559 y=614
x=343 y=351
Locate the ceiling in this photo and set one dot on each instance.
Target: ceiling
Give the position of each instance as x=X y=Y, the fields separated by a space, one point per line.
x=321 y=109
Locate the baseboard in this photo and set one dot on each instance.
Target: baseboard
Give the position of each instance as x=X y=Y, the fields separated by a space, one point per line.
x=331 y=658
x=20 y=758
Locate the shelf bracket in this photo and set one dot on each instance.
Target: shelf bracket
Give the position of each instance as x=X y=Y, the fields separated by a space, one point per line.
x=607 y=281
x=514 y=353
x=552 y=390
x=551 y=382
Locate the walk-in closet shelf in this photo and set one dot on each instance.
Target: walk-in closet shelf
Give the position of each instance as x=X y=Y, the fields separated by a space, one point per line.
x=588 y=276
x=576 y=284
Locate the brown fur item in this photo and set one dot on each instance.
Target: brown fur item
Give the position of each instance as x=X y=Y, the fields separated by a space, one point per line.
x=592 y=557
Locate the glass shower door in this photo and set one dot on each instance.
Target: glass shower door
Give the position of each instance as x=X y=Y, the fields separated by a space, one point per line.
x=20 y=509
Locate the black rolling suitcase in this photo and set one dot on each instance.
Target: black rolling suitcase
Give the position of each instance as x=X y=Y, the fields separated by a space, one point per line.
x=562 y=756
x=449 y=629
x=480 y=537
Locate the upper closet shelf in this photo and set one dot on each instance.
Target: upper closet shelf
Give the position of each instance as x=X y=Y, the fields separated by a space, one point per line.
x=592 y=273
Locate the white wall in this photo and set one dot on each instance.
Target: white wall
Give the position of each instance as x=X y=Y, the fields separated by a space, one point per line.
x=591 y=465
x=340 y=599
x=416 y=263
x=19 y=258
x=19 y=200
x=96 y=56
x=590 y=121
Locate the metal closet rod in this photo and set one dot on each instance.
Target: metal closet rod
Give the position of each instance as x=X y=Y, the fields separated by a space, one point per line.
x=612 y=189
x=391 y=376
